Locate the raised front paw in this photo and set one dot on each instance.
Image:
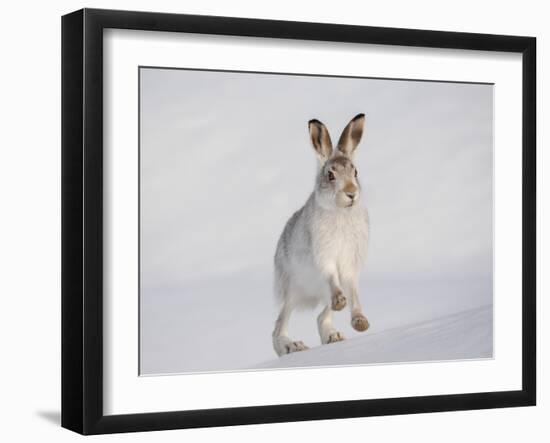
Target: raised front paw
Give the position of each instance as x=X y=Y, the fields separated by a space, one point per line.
x=360 y=322
x=335 y=337
x=295 y=346
x=338 y=301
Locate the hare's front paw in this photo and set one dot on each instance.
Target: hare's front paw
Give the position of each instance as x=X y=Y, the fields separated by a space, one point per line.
x=295 y=346
x=360 y=323
x=335 y=337
x=338 y=301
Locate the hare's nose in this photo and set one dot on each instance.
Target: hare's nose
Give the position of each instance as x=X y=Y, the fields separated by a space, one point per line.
x=351 y=195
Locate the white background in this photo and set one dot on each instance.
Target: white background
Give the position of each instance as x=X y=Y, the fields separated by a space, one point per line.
x=30 y=234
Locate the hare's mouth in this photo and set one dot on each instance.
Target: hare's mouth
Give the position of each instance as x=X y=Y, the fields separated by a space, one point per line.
x=350 y=203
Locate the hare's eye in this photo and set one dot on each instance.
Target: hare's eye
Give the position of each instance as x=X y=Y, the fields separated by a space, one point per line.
x=356 y=173
x=330 y=176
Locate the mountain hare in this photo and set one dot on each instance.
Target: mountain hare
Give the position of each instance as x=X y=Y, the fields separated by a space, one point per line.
x=323 y=245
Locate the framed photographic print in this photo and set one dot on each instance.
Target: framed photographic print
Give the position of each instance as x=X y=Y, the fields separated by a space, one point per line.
x=269 y=221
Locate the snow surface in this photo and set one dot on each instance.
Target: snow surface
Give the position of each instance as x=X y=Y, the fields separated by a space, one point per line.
x=226 y=324
x=465 y=335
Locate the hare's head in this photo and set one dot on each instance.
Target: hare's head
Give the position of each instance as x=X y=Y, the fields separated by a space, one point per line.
x=337 y=180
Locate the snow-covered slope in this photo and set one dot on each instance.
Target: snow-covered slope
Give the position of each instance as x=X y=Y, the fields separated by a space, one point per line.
x=467 y=334
x=225 y=324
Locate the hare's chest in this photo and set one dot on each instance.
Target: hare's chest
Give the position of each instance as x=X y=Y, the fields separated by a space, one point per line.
x=340 y=241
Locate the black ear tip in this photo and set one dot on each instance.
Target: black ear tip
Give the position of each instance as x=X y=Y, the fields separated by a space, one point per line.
x=358 y=116
x=314 y=121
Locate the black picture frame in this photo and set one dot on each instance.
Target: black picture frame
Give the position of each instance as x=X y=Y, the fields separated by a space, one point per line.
x=82 y=220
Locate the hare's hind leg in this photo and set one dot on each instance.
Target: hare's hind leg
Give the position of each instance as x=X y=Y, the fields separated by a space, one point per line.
x=326 y=331
x=281 y=341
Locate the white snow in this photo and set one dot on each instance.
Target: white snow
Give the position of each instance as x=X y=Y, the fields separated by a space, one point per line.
x=225 y=324
x=465 y=335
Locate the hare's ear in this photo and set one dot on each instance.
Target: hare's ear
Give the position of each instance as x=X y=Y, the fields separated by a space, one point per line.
x=320 y=139
x=351 y=136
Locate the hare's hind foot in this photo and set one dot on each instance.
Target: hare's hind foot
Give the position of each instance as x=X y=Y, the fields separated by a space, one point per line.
x=338 y=301
x=335 y=337
x=360 y=322
x=296 y=346
x=283 y=345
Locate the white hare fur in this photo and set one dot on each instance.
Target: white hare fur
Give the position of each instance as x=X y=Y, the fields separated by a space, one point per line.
x=323 y=245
